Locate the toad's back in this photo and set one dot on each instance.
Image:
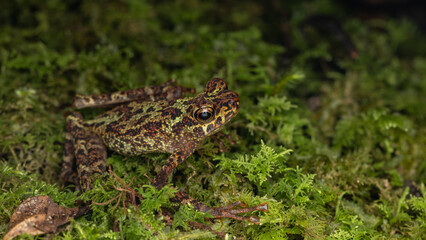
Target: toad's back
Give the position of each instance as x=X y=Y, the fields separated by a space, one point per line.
x=141 y=127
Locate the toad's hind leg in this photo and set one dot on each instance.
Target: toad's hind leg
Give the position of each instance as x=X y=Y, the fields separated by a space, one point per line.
x=165 y=91
x=88 y=151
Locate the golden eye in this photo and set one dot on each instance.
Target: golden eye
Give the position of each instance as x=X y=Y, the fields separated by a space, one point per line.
x=204 y=114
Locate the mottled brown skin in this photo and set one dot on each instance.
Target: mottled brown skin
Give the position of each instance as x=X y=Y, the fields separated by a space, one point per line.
x=165 y=91
x=173 y=125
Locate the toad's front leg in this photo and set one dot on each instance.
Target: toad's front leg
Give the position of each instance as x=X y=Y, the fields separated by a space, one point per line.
x=229 y=211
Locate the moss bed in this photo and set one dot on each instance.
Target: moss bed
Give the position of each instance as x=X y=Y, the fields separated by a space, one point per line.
x=331 y=131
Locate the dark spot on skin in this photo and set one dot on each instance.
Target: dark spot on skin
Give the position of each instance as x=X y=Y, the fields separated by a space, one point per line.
x=114 y=128
x=202 y=101
x=139 y=110
x=228 y=116
x=171 y=113
x=218 y=120
x=80 y=152
x=209 y=127
x=188 y=102
x=171 y=102
x=189 y=110
x=91 y=151
x=150 y=109
x=98 y=124
x=132 y=132
x=227 y=106
x=142 y=120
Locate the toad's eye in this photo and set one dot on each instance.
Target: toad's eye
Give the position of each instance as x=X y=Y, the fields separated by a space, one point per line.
x=204 y=114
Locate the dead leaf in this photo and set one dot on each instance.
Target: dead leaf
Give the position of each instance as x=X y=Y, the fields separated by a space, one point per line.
x=40 y=215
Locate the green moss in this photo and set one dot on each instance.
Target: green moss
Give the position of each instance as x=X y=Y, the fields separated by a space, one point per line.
x=334 y=145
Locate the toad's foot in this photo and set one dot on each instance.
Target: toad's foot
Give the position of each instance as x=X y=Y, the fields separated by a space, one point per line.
x=228 y=211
